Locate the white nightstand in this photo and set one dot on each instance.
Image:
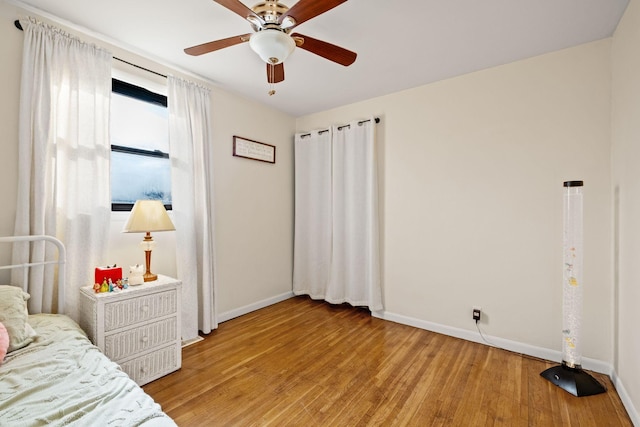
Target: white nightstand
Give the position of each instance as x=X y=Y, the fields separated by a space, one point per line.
x=138 y=328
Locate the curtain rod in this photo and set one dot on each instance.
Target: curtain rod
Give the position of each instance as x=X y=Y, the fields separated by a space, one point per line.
x=320 y=132
x=19 y=26
x=140 y=67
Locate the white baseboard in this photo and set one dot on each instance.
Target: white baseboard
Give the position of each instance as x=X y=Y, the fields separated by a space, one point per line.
x=232 y=314
x=626 y=399
x=186 y=343
x=474 y=336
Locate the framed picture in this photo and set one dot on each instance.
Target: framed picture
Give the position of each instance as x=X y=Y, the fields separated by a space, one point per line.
x=254 y=150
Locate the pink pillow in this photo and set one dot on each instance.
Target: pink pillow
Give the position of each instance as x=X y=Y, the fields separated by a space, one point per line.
x=4 y=342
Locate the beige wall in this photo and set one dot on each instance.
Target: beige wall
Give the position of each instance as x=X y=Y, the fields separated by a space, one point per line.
x=626 y=182
x=254 y=204
x=254 y=200
x=472 y=173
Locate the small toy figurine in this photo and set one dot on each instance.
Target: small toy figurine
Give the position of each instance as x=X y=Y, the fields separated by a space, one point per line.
x=110 y=283
x=96 y=288
x=105 y=286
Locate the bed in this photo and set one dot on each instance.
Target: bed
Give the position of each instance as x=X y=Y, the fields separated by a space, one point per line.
x=53 y=375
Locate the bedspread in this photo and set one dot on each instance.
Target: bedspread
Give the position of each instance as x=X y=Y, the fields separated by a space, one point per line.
x=62 y=379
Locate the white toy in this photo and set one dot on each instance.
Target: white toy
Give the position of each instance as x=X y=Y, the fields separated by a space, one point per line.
x=136 y=275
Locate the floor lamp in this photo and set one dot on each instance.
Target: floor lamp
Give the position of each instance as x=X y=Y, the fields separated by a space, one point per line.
x=147 y=216
x=569 y=376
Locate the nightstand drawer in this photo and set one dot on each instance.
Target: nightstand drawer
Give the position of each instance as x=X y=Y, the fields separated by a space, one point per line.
x=134 y=310
x=153 y=365
x=133 y=341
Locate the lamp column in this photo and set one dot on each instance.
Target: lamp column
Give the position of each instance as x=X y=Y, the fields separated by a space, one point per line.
x=147 y=245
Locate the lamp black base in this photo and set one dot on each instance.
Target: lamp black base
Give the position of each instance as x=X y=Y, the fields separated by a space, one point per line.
x=573 y=380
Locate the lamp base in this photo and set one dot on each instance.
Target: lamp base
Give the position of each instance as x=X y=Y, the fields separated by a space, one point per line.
x=149 y=277
x=573 y=380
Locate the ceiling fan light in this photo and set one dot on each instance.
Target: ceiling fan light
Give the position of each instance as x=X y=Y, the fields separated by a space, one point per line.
x=273 y=46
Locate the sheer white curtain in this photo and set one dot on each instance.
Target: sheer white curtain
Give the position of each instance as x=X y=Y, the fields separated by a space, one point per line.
x=192 y=194
x=64 y=153
x=312 y=234
x=337 y=259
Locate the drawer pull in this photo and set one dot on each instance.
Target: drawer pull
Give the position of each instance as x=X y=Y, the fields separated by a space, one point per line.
x=145 y=339
x=145 y=308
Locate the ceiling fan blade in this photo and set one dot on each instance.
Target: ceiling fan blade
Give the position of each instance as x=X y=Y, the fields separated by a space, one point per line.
x=239 y=8
x=216 y=45
x=329 y=51
x=307 y=9
x=275 y=73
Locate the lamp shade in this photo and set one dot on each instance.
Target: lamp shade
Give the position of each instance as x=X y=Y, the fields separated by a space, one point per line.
x=148 y=215
x=273 y=46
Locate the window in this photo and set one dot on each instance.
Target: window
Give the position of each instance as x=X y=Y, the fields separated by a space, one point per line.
x=140 y=165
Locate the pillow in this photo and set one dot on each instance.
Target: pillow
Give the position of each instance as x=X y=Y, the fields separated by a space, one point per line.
x=4 y=342
x=14 y=315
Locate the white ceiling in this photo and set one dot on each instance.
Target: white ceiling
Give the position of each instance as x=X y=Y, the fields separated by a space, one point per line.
x=400 y=44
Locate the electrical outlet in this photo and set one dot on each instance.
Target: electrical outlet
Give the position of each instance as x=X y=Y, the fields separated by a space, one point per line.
x=477 y=312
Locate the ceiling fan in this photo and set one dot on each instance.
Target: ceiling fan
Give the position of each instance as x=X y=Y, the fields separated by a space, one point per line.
x=272 y=40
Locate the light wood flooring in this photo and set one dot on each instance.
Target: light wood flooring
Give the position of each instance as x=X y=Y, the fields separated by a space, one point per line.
x=307 y=363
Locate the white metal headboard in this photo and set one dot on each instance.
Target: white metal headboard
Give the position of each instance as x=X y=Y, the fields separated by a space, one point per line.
x=61 y=261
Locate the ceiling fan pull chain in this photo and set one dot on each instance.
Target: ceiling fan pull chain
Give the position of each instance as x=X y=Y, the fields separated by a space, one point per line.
x=272 y=91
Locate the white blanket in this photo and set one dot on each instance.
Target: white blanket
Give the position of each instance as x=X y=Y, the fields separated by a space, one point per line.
x=62 y=379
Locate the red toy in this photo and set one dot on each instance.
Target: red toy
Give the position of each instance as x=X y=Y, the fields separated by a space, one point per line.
x=109 y=272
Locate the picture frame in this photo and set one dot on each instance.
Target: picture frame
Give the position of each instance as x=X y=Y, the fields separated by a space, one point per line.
x=254 y=150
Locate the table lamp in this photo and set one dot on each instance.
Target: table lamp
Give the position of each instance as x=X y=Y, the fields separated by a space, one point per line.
x=147 y=216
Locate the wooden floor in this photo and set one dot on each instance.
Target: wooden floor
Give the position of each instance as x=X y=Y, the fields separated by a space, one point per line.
x=307 y=363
